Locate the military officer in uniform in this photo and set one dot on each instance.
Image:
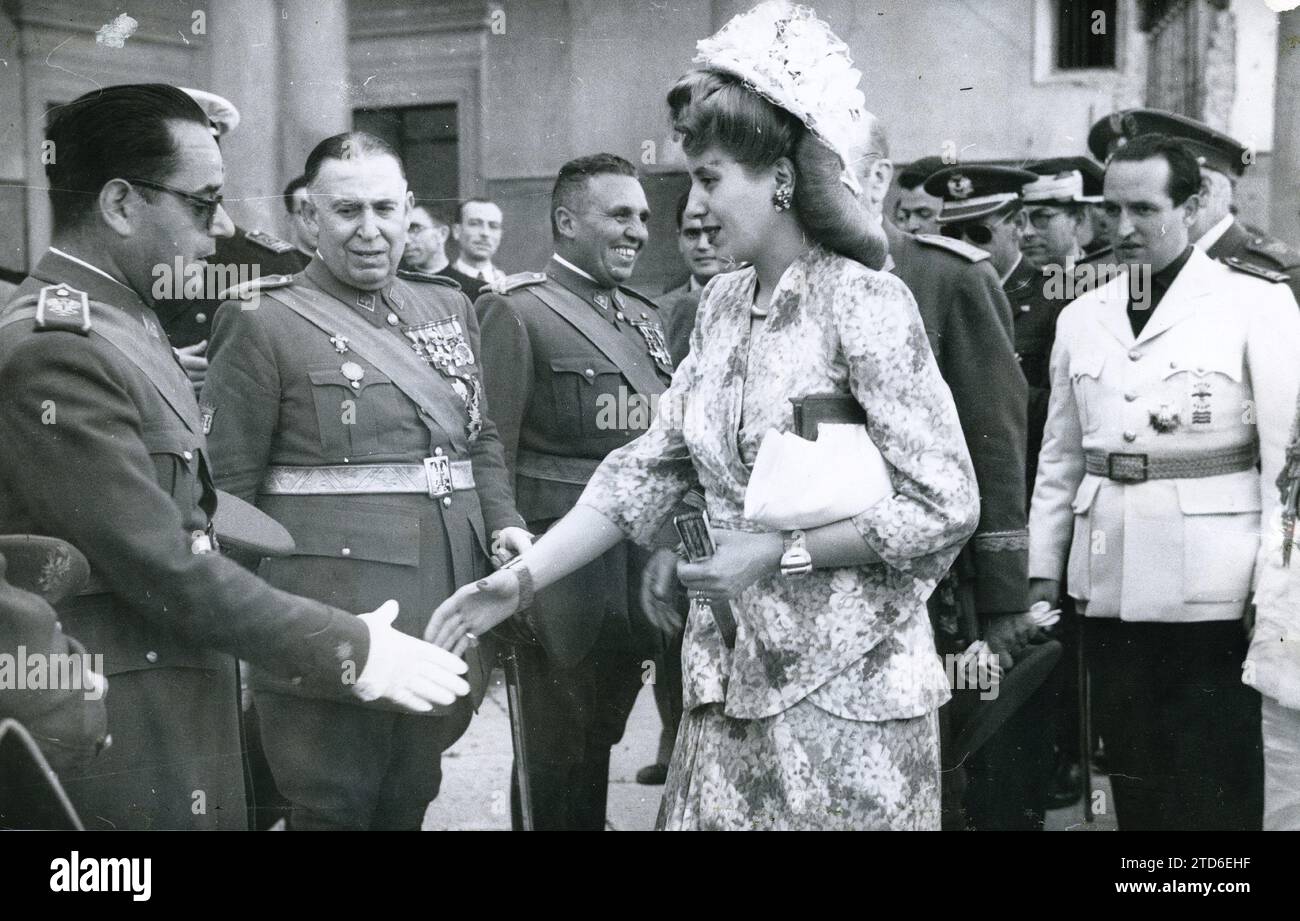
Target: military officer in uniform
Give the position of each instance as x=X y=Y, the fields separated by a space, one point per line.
x=968 y=323
x=1168 y=427
x=102 y=445
x=983 y=205
x=573 y=362
x=347 y=404
x=1223 y=161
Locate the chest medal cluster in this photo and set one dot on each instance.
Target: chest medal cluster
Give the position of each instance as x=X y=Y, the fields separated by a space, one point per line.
x=442 y=343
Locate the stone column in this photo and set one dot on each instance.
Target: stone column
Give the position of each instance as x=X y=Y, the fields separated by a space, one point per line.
x=244 y=66
x=1285 y=205
x=315 y=96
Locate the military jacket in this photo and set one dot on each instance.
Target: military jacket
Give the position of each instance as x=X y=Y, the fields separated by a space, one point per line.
x=1034 y=315
x=105 y=449
x=249 y=254
x=968 y=324
x=282 y=392
x=1214 y=370
x=1264 y=252
x=573 y=371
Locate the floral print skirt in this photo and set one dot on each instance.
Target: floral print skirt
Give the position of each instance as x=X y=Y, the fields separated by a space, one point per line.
x=802 y=770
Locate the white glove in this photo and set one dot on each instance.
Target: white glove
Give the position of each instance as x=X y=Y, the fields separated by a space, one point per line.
x=407 y=671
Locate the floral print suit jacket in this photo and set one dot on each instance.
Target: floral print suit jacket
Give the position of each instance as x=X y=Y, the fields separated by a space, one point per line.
x=856 y=641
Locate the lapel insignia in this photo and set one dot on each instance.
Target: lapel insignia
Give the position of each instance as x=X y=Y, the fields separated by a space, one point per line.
x=656 y=342
x=63 y=307
x=366 y=301
x=602 y=301
x=340 y=343
x=207 y=414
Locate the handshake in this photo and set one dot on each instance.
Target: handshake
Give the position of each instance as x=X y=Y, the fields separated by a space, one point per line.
x=416 y=674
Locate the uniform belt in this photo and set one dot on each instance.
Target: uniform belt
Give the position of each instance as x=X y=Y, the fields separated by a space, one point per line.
x=1136 y=468
x=555 y=469
x=436 y=477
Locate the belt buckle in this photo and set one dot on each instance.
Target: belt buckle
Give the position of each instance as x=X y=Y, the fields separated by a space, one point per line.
x=1127 y=468
x=437 y=470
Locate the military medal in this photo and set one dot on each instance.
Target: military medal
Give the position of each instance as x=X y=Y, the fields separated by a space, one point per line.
x=340 y=343
x=655 y=341
x=354 y=373
x=442 y=343
x=1202 y=390
x=1165 y=420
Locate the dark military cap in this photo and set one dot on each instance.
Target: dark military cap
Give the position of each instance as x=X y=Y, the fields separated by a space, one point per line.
x=46 y=566
x=247 y=533
x=916 y=172
x=1091 y=171
x=1215 y=149
x=977 y=190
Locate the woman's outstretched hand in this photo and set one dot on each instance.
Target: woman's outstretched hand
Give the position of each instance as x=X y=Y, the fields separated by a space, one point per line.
x=740 y=559
x=475 y=609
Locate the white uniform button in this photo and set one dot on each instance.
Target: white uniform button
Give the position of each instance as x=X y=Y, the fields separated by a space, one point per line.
x=437 y=452
x=589 y=374
x=346 y=551
x=200 y=318
x=1134 y=355
x=392 y=319
x=1024 y=308
x=151 y=656
x=1130 y=436
x=188 y=455
x=446 y=501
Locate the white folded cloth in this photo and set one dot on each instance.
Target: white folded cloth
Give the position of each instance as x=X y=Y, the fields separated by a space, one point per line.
x=798 y=483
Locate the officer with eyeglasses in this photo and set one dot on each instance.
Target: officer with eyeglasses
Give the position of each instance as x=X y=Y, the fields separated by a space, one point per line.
x=103 y=445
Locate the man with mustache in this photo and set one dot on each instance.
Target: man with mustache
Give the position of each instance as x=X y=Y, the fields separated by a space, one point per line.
x=346 y=402
x=1168 y=424
x=103 y=445
x=574 y=363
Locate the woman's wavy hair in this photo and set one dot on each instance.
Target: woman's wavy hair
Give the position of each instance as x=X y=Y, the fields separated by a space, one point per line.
x=713 y=109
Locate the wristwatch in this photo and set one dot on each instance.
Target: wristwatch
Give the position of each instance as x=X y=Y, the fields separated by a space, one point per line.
x=795 y=560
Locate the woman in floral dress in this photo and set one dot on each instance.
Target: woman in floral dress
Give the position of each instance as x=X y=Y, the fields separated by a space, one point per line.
x=824 y=714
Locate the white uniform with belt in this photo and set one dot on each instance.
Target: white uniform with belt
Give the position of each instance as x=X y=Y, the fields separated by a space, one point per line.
x=1212 y=377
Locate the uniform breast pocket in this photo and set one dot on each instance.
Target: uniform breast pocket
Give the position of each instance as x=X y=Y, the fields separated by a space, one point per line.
x=1205 y=392
x=1085 y=382
x=1221 y=526
x=354 y=415
x=590 y=397
x=176 y=456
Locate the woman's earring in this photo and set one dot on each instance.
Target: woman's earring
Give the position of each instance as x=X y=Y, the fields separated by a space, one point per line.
x=782 y=198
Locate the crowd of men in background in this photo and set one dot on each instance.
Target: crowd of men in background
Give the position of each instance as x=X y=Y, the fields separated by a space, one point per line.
x=1012 y=268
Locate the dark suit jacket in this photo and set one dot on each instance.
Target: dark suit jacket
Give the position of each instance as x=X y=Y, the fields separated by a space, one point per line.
x=123 y=475
x=472 y=287
x=968 y=324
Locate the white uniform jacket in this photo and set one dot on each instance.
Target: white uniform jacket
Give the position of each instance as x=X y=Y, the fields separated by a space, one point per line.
x=1216 y=367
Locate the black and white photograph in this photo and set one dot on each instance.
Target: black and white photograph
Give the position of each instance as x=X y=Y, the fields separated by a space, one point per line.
x=631 y=415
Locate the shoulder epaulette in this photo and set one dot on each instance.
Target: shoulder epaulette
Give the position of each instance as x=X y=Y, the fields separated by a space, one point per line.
x=63 y=307
x=1250 y=268
x=249 y=288
x=1277 y=251
x=960 y=247
x=429 y=277
x=268 y=241
x=518 y=280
